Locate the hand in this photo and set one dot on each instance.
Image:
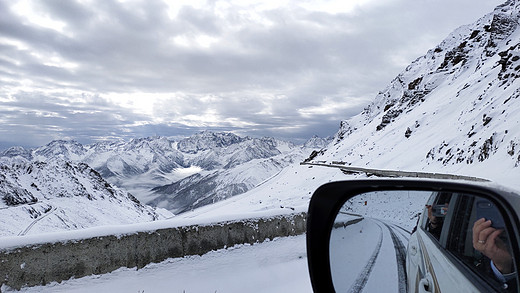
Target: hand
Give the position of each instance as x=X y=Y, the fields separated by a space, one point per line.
x=485 y=240
x=432 y=219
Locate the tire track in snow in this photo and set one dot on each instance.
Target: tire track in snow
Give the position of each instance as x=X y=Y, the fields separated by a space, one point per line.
x=362 y=279
x=403 y=229
x=402 y=232
x=400 y=254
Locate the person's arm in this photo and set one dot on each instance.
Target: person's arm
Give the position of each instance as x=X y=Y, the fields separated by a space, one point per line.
x=485 y=240
x=431 y=218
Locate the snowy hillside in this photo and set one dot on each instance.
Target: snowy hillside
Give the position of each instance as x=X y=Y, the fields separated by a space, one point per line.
x=456 y=109
x=42 y=197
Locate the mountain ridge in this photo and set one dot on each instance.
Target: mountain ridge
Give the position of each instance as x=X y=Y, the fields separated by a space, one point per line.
x=60 y=195
x=150 y=167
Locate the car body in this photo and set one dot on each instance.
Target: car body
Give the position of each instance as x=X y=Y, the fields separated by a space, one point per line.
x=445 y=258
x=432 y=264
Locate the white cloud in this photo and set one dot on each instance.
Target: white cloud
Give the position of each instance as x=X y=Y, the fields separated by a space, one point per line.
x=284 y=68
x=29 y=12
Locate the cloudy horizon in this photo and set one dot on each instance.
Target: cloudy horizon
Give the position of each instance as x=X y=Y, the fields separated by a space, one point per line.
x=93 y=70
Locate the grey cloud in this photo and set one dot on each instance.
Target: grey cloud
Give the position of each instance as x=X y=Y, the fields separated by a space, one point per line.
x=34 y=119
x=127 y=52
x=71 y=12
x=192 y=19
x=303 y=56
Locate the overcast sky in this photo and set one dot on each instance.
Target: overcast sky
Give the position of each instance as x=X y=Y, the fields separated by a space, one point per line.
x=106 y=69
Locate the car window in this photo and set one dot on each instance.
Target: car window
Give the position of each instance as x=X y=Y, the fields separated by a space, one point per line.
x=438 y=212
x=463 y=243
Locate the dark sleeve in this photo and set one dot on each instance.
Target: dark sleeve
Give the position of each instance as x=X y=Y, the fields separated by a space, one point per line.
x=436 y=231
x=485 y=268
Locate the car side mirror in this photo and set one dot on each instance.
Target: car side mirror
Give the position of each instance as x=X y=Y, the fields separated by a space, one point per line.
x=359 y=233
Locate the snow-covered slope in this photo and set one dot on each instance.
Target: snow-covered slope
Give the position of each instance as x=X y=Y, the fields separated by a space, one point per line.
x=38 y=197
x=456 y=109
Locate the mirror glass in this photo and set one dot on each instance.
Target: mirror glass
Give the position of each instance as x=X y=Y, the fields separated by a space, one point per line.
x=372 y=237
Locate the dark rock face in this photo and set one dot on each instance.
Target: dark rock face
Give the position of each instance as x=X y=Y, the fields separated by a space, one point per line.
x=509 y=65
x=500 y=28
x=455 y=56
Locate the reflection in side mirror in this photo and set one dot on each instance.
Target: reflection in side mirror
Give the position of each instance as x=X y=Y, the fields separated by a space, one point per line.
x=374 y=227
x=372 y=248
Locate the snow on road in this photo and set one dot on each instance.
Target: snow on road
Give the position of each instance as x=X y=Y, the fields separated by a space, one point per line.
x=274 y=266
x=29 y=227
x=368 y=255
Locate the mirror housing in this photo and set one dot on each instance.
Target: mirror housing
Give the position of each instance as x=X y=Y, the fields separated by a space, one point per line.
x=329 y=198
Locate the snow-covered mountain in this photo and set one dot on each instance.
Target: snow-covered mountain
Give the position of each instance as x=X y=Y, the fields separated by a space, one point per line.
x=58 y=195
x=238 y=176
x=179 y=174
x=208 y=140
x=455 y=109
x=230 y=165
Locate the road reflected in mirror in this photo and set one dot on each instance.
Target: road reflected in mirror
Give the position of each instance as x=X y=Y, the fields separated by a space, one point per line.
x=372 y=237
x=369 y=240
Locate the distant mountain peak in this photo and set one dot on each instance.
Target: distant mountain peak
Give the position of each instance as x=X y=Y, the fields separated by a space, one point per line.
x=17 y=151
x=207 y=140
x=317 y=142
x=65 y=148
